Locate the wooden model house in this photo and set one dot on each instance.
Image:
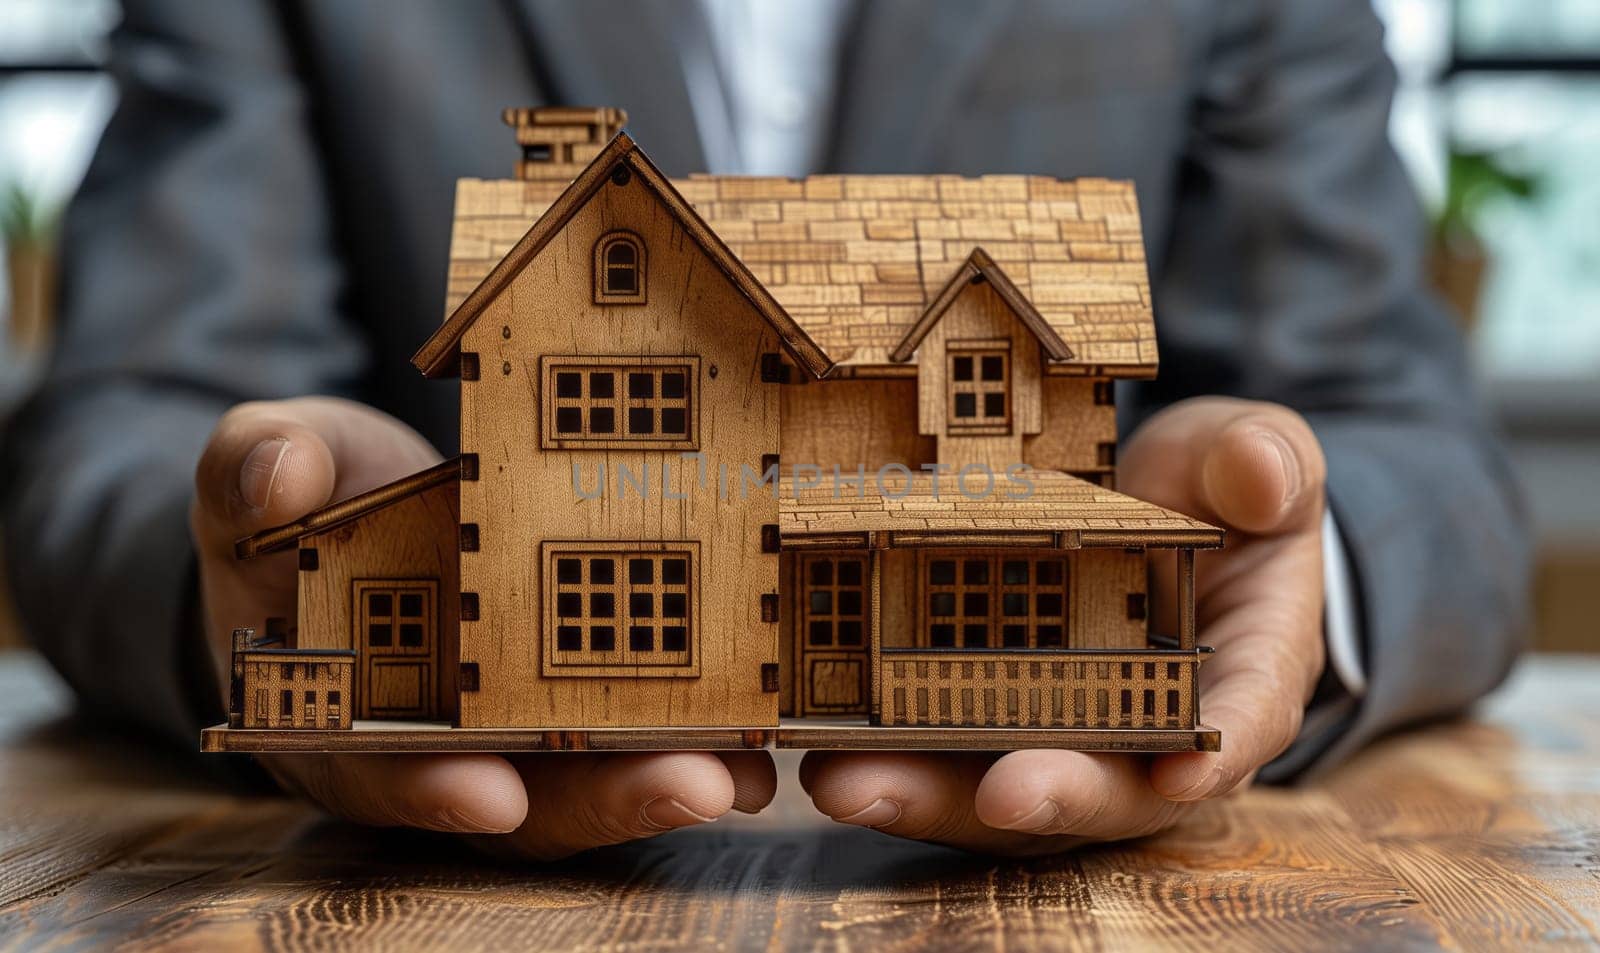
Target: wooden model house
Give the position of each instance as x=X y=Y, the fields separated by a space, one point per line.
x=826 y=462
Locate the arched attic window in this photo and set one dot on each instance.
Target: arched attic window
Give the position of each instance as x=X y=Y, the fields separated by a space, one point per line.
x=619 y=269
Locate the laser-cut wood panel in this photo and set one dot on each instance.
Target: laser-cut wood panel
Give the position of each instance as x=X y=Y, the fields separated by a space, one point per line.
x=853 y=423
x=524 y=497
x=413 y=537
x=1074 y=427
x=396 y=637
x=1143 y=690
x=978 y=387
x=979 y=324
x=1002 y=599
x=300 y=689
x=620 y=272
x=619 y=402
x=834 y=631
x=621 y=609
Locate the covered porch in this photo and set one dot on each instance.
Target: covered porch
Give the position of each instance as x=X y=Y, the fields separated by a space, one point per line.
x=910 y=609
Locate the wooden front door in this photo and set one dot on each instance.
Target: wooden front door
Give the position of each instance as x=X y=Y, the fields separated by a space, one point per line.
x=833 y=635
x=397 y=638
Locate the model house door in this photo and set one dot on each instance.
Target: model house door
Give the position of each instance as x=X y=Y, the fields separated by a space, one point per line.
x=833 y=635
x=397 y=641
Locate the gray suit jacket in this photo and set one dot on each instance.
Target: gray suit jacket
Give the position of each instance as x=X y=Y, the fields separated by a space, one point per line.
x=268 y=215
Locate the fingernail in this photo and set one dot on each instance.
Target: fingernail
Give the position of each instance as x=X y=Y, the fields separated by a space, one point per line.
x=1047 y=816
x=879 y=813
x=1287 y=463
x=667 y=813
x=259 y=474
x=1201 y=788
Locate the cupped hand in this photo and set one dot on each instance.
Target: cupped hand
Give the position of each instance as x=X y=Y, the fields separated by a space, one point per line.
x=1254 y=469
x=270 y=463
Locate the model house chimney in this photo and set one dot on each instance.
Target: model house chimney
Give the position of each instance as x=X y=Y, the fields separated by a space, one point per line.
x=559 y=141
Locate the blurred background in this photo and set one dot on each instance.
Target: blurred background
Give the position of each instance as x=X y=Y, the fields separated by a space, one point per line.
x=1497 y=117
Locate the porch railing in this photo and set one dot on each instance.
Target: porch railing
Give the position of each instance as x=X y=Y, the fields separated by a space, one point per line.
x=1067 y=689
x=292 y=688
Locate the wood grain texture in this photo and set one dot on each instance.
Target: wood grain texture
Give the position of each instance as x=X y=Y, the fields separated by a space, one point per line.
x=978 y=321
x=410 y=543
x=838 y=734
x=854 y=423
x=1075 y=428
x=978 y=268
x=626 y=494
x=621 y=269
x=618 y=163
x=900 y=511
x=1475 y=835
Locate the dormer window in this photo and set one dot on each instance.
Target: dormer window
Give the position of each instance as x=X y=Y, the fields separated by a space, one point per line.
x=978 y=388
x=619 y=273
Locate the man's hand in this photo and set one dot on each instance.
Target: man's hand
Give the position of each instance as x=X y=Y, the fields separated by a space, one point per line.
x=270 y=463
x=1252 y=468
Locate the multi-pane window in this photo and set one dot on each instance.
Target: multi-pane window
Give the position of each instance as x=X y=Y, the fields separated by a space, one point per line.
x=997 y=601
x=978 y=381
x=396 y=617
x=615 y=607
x=613 y=403
x=619 y=269
x=835 y=606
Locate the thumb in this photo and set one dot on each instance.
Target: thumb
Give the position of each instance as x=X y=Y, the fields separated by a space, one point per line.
x=1246 y=465
x=263 y=466
x=271 y=462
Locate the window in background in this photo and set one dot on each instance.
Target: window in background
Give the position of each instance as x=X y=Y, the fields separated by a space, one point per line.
x=1539 y=309
x=1497 y=116
x=1536 y=28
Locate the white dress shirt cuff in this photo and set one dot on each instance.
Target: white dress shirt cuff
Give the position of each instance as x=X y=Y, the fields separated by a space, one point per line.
x=1339 y=612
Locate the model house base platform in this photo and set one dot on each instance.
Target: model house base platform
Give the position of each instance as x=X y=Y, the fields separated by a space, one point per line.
x=418 y=736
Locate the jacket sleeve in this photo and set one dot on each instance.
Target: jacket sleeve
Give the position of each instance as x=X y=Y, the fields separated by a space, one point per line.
x=1292 y=275
x=199 y=271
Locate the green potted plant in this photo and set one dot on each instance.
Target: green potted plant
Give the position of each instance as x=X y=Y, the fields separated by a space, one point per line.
x=28 y=230
x=1457 y=257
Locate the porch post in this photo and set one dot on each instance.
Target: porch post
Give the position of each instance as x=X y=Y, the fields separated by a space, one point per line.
x=1190 y=713
x=875 y=634
x=241 y=644
x=1186 y=628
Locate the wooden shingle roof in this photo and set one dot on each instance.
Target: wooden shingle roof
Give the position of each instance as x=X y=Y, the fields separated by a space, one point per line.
x=1059 y=504
x=856 y=260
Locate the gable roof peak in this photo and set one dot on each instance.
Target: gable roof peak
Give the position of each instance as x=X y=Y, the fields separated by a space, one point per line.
x=619 y=161
x=978 y=269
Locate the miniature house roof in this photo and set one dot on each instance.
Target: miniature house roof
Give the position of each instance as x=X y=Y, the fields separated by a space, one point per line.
x=437 y=357
x=908 y=513
x=344 y=511
x=858 y=260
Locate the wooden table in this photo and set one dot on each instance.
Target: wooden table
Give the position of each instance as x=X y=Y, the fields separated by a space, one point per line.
x=1484 y=833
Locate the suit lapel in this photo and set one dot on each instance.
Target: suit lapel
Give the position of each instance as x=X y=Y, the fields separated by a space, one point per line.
x=621 y=53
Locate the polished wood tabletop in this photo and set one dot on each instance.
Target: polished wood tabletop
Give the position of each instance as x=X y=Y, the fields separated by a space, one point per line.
x=1480 y=834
